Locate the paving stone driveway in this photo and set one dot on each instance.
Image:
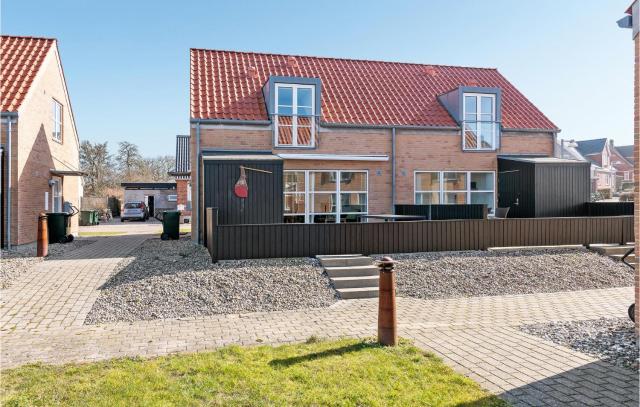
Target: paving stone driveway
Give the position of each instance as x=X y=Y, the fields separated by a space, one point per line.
x=42 y=320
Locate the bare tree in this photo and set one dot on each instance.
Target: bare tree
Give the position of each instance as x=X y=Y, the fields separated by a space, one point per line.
x=128 y=159
x=98 y=163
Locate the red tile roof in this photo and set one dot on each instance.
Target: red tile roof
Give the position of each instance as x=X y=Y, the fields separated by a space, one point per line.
x=20 y=59
x=228 y=85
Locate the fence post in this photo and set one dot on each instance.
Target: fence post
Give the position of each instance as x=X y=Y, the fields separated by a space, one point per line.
x=387 y=322
x=211 y=225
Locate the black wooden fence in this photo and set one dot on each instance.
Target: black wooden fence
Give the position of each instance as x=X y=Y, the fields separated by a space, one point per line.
x=608 y=208
x=444 y=211
x=306 y=240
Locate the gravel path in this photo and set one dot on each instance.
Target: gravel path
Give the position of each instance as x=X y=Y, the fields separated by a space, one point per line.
x=612 y=339
x=482 y=273
x=18 y=262
x=172 y=279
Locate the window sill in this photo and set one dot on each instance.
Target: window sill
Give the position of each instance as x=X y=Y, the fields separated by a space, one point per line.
x=479 y=150
x=57 y=141
x=286 y=147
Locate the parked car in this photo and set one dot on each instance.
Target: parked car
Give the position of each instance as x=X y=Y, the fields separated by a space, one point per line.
x=134 y=210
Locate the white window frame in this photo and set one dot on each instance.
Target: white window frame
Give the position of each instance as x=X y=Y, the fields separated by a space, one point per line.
x=627 y=175
x=57 y=113
x=444 y=191
x=56 y=195
x=294 y=115
x=172 y=198
x=309 y=193
x=495 y=137
x=416 y=191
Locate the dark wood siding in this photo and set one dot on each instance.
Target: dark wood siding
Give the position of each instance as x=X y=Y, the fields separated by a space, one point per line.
x=608 y=208
x=265 y=201
x=543 y=189
x=562 y=190
x=300 y=240
x=516 y=188
x=444 y=212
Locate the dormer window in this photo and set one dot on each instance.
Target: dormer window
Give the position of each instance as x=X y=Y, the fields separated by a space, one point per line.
x=479 y=126
x=294 y=118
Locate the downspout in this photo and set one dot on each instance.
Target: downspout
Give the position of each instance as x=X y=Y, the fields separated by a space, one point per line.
x=9 y=129
x=393 y=170
x=197 y=188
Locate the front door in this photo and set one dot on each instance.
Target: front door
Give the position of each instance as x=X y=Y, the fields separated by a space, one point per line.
x=56 y=195
x=151 y=205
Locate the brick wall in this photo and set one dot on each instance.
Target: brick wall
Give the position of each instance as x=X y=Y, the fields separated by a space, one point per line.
x=37 y=153
x=182 y=186
x=415 y=150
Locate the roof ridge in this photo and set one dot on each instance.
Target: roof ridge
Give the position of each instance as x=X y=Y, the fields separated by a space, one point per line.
x=29 y=37
x=342 y=59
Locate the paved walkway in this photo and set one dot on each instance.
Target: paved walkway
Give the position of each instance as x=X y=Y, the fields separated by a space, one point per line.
x=42 y=320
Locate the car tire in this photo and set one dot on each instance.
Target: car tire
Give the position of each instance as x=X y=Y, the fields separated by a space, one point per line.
x=632 y=312
x=164 y=236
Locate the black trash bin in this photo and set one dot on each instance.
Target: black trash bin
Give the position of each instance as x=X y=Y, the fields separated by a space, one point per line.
x=59 y=225
x=170 y=225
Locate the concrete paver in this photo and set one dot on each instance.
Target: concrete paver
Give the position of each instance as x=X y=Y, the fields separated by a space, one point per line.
x=42 y=320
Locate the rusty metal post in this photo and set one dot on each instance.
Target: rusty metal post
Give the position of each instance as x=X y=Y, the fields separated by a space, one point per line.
x=43 y=236
x=387 y=322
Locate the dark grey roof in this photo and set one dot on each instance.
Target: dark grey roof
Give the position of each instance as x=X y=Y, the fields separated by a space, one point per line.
x=542 y=160
x=586 y=147
x=148 y=185
x=183 y=154
x=626 y=151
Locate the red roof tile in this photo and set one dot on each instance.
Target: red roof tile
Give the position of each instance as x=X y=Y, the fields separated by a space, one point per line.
x=20 y=59
x=228 y=85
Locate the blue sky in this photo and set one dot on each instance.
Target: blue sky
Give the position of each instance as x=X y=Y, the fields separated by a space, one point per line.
x=127 y=62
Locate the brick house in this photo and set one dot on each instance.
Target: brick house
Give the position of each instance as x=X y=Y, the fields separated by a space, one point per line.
x=611 y=171
x=182 y=174
x=40 y=146
x=359 y=136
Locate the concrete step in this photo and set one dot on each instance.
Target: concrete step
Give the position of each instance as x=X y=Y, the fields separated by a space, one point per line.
x=630 y=258
x=352 y=271
x=610 y=250
x=355 y=282
x=336 y=256
x=346 y=261
x=361 y=292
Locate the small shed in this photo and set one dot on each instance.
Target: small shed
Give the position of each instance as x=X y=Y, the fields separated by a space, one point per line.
x=535 y=187
x=264 y=203
x=158 y=196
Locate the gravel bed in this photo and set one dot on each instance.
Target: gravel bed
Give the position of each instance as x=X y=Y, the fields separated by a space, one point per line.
x=483 y=273
x=17 y=262
x=173 y=279
x=610 y=339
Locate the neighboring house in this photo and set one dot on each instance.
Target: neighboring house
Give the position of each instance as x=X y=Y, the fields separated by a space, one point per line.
x=182 y=173
x=351 y=137
x=611 y=169
x=627 y=153
x=158 y=196
x=40 y=147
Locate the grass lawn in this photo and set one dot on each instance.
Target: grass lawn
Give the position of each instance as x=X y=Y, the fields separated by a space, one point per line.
x=345 y=373
x=90 y=234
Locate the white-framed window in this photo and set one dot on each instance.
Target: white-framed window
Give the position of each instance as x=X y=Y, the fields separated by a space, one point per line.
x=627 y=175
x=56 y=195
x=479 y=126
x=172 y=198
x=330 y=196
x=455 y=187
x=57 y=120
x=295 y=115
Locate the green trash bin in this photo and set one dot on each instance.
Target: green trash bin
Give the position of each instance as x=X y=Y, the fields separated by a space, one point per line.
x=96 y=217
x=57 y=226
x=170 y=225
x=86 y=218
